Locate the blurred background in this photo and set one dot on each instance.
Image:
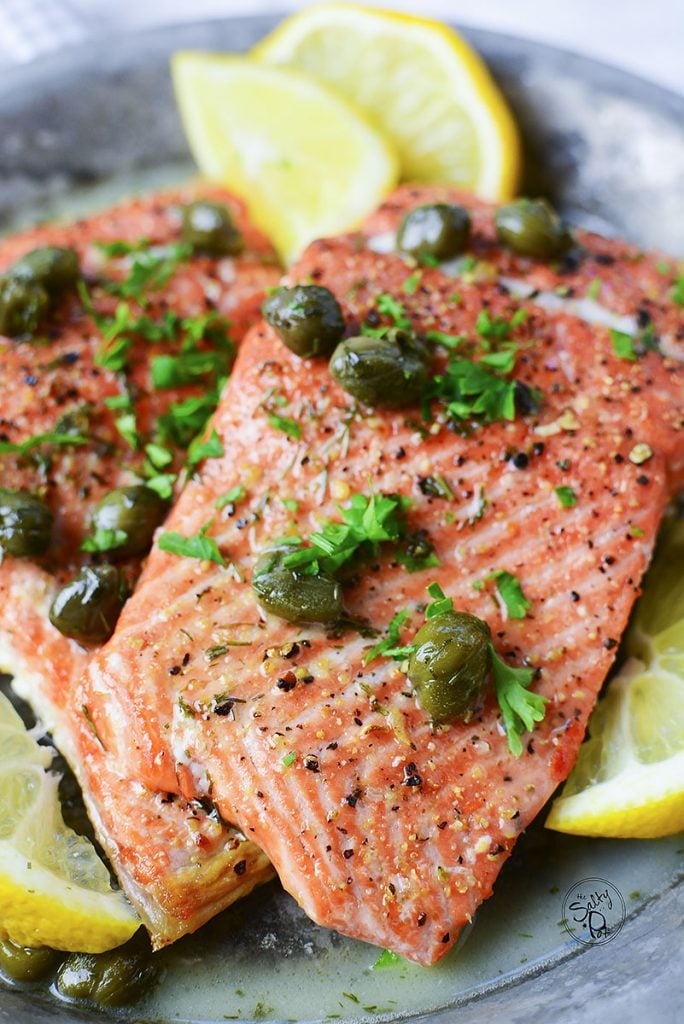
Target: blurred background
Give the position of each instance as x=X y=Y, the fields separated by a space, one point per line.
x=645 y=38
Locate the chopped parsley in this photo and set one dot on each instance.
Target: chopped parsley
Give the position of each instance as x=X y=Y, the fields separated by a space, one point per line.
x=159 y=456
x=291 y=504
x=623 y=345
x=162 y=483
x=411 y=284
x=212 y=448
x=289 y=759
x=200 y=546
x=440 y=602
x=105 y=540
x=450 y=341
x=127 y=426
x=636 y=531
x=470 y=389
x=183 y=420
x=389 y=647
x=150 y=271
x=174 y=371
x=56 y=439
x=520 y=708
x=510 y=592
x=121 y=248
x=417 y=552
x=566 y=497
x=594 y=289
x=387 y=959
x=504 y=360
x=231 y=497
x=286 y=424
x=678 y=291
x=497 y=329
x=366 y=523
x=388 y=306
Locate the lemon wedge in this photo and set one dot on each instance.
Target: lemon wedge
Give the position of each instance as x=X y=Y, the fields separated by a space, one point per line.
x=629 y=778
x=54 y=889
x=304 y=160
x=419 y=81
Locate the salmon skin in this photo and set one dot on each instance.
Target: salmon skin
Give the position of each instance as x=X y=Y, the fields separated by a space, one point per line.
x=176 y=859
x=379 y=825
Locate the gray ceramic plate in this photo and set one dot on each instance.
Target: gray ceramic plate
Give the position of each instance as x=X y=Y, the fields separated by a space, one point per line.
x=90 y=125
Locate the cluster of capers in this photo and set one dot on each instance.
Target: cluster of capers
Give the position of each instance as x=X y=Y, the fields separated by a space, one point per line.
x=32 y=285
x=388 y=371
x=114 y=978
x=530 y=227
x=210 y=229
x=88 y=607
x=449 y=665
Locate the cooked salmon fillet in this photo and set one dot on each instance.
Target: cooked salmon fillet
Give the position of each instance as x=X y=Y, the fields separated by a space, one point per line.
x=178 y=862
x=379 y=825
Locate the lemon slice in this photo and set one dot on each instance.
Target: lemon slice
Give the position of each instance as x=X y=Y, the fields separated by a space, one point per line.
x=421 y=83
x=54 y=889
x=629 y=778
x=305 y=161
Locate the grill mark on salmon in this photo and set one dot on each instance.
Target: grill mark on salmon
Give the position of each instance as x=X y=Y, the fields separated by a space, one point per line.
x=178 y=864
x=401 y=865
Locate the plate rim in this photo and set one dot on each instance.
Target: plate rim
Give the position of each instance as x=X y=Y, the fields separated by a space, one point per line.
x=122 y=46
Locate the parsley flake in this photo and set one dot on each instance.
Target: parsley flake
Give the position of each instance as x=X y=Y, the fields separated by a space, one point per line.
x=286 y=424
x=566 y=497
x=623 y=345
x=231 y=497
x=678 y=291
x=57 y=440
x=497 y=329
x=200 y=546
x=410 y=285
x=510 y=591
x=388 y=306
x=105 y=540
x=520 y=708
x=289 y=759
x=212 y=448
x=389 y=647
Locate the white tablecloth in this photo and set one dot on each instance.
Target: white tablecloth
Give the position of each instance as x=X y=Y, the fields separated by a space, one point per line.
x=646 y=38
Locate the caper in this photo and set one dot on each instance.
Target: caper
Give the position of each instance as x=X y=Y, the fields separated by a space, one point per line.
x=27 y=963
x=389 y=371
x=114 y=978
x=307 y=318
x=136 y=510
x=209 y=228
x=438 y=229
x=22 y=306
x=449 y=665
x=532 y=227
x=292 y=594
x=53 y=267
x=25 y=524
x=88 y=607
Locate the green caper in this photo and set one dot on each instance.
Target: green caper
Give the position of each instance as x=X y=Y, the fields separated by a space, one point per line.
x=136 y=510
x=209 y=228
x=22 y=306
x=88 y=607
x=292 y=594
x=440 y=230
x=307 y=318
x=111 y=979
x=532 y=227
x=449 y=665
x=389 y=372
x=55 y=268
x=25 y=524
x=27 y=963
